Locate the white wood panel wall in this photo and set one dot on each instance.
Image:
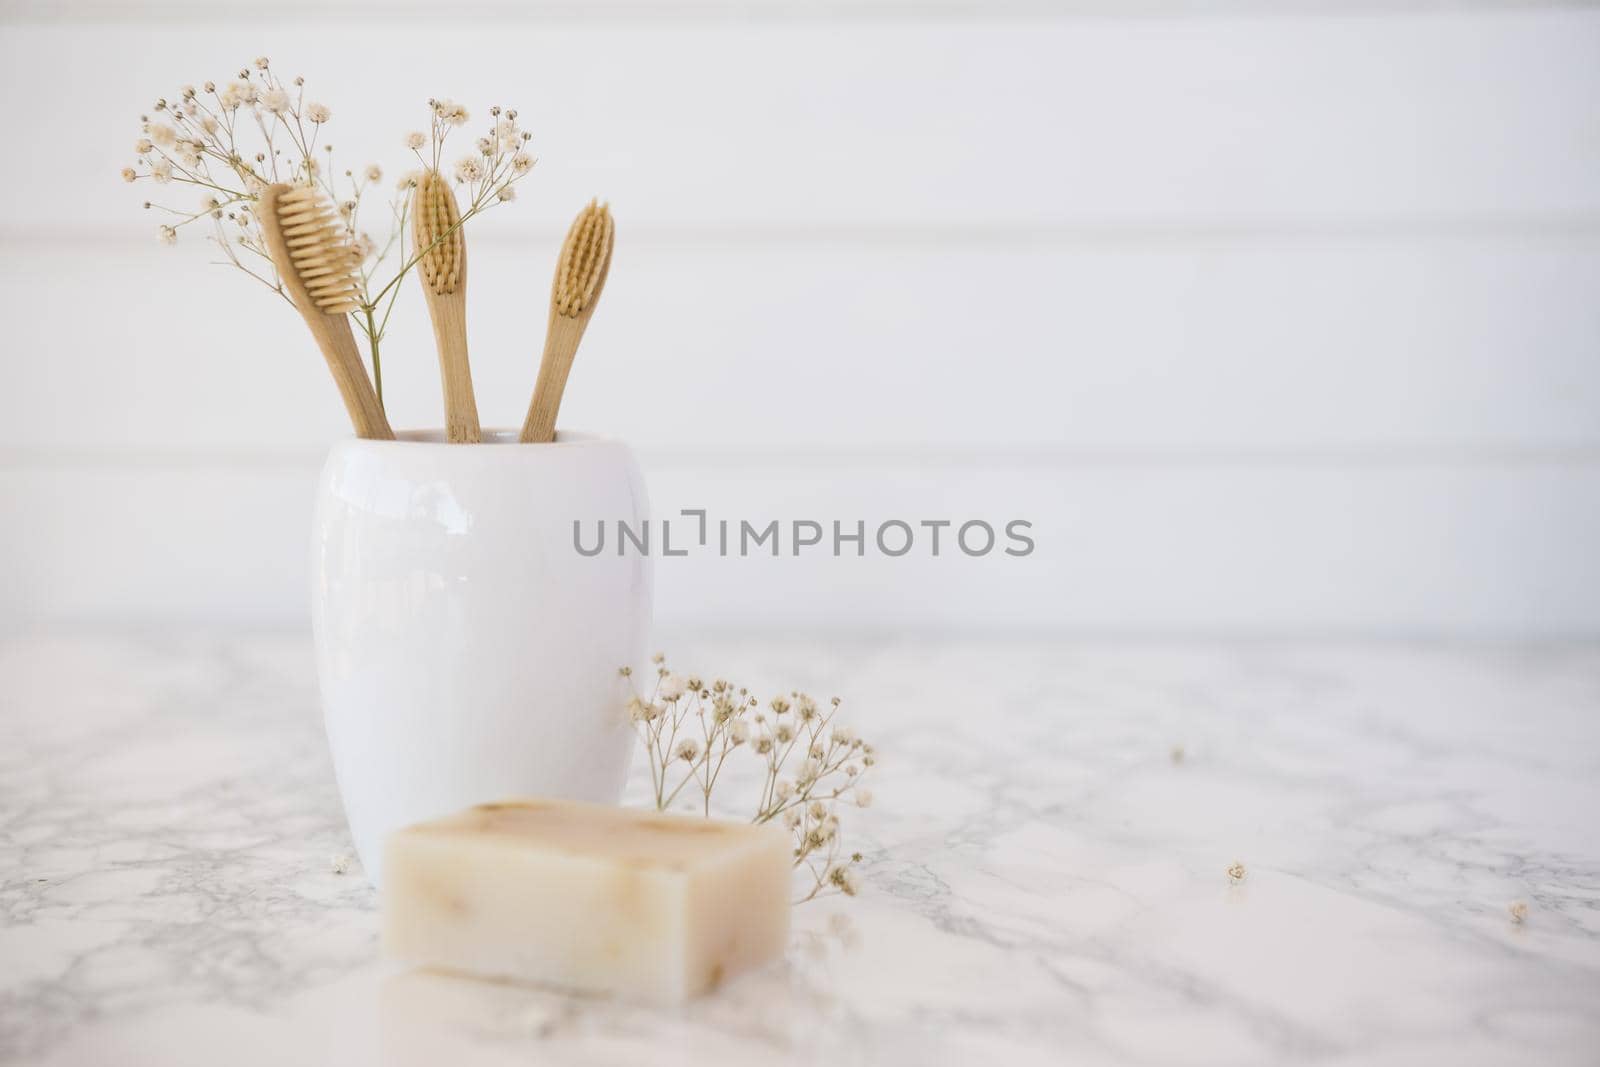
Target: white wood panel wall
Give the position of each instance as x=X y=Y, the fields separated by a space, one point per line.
x=1270 y=317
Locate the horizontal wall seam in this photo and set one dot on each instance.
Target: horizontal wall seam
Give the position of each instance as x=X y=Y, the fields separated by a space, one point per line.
x=52 y=12
x=1581 y=228
x=116 y=459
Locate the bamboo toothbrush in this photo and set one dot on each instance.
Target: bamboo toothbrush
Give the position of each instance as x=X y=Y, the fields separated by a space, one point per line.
x=580 y=276
x=318 y=266
x=437 y=237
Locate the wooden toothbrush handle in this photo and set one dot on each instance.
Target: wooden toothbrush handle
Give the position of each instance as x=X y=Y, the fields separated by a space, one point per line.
x=560 y=346
x=338 y=345
x=449 y=315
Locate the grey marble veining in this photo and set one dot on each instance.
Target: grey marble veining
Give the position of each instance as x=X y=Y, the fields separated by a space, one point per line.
x=1044 y=882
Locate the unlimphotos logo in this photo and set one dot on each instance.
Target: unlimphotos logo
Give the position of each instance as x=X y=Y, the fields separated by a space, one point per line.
x=794 y=537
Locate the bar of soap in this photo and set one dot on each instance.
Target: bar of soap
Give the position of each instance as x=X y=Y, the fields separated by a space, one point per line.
x=645 y=906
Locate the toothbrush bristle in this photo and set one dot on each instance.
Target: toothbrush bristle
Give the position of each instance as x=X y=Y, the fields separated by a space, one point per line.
x=319 y=246
x=439 y=225
x=584 y=259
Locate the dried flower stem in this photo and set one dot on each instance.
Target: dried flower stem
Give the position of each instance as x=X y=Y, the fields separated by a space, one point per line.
x=699 y=726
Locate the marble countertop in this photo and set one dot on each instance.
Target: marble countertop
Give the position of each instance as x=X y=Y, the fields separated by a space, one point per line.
x=1044 y=882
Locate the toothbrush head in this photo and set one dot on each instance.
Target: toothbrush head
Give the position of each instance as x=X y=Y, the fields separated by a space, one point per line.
x=585 y=261
x=323 y=261
x=437 y=228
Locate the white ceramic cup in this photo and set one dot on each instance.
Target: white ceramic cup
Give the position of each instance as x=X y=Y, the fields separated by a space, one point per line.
x=467 y=651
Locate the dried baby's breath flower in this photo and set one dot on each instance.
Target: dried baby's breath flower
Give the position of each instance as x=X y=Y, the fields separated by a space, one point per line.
x=1236 y=872
x=257 y=129
x=450 y=113
x=643 y=711
x=167 y=235
x=700 y=726
x=522 y=162
x=1518 y=912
